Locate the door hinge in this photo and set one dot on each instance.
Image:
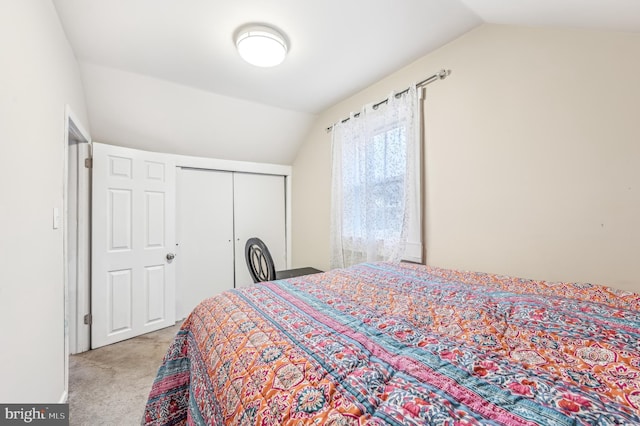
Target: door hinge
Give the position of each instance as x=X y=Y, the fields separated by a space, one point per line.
x=88 y=163
x=88 y=319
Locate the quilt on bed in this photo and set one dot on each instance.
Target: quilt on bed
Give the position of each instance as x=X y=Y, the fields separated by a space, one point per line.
x=404 y=344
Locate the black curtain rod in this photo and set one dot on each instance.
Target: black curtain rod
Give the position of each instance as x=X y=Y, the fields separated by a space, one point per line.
x=442 y=74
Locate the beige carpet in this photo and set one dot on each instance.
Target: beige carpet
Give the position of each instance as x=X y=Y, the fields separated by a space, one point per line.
x=110 y=385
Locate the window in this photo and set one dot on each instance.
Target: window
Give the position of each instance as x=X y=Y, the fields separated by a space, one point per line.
x=377 y=188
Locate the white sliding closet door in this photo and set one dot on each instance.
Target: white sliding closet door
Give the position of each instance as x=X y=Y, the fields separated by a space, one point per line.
x=204 y=236
x=259 y=209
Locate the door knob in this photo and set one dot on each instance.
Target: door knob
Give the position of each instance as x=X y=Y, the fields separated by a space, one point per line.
x=170 y=256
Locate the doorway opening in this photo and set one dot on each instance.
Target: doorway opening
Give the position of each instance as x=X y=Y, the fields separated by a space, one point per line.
x=77 y=237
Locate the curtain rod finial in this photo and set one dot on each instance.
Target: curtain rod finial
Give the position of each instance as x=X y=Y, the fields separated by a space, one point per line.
x=443 y=74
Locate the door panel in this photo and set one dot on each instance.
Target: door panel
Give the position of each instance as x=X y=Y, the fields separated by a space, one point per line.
x=155 y=293
x=259 y=206
x=204 y=236
x=154 y=215
x=133 y=210
x=120 y=305
x=119 y=219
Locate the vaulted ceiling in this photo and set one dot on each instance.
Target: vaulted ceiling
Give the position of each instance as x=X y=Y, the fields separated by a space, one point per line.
x=164 y=75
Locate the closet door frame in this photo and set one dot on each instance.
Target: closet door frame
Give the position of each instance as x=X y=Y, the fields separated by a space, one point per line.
x=248 y=167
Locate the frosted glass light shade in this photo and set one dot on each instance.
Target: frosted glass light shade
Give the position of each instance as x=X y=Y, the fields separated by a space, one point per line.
x=261 y=46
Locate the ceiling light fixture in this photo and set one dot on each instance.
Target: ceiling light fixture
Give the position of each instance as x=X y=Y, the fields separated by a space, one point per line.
x=261 y=45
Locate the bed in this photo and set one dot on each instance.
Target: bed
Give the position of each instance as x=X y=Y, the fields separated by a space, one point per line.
x=404 y=344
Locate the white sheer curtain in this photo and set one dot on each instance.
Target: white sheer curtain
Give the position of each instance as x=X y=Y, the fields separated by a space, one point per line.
x=375 y=178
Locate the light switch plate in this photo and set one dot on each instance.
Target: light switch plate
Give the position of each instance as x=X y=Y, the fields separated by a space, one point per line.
x=56 y=218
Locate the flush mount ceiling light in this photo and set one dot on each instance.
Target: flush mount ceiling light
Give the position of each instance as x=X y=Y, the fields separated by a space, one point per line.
x=261 y=45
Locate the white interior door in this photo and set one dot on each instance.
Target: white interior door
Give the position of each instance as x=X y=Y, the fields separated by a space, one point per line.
x=259 y=209
x=133 y=231
x=204 y=235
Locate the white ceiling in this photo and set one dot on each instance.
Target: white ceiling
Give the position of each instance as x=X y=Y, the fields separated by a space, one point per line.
x=152 y=59
x=612 y=15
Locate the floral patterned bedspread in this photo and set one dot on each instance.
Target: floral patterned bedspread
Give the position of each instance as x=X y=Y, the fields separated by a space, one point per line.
x=404 y=344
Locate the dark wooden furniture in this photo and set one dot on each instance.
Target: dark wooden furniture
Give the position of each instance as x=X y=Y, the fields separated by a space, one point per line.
x=290 y=273
x=261 y=267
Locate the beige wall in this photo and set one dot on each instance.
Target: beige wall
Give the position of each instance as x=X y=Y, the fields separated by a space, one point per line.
x=533 y=156
x=38 y=76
